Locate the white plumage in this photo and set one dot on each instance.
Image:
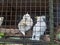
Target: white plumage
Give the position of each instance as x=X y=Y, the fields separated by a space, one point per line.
x=25 y=24
x=39 y=28
x=1 y=20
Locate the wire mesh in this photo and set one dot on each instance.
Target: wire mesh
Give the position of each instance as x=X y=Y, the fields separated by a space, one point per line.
x=13 y=12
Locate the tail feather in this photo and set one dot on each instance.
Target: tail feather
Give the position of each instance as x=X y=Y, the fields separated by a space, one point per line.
x=23 y=33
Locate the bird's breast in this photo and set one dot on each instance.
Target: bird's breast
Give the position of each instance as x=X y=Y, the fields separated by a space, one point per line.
x=39 y=24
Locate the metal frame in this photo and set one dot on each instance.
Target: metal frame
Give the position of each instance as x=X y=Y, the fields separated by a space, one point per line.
x=51 y=20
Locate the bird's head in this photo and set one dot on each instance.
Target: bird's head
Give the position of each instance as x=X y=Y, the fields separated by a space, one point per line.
x=44 y=18
x=40 y=18
x=1 y=18
x=26 y=16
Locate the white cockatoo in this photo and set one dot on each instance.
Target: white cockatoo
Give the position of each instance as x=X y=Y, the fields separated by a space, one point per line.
x=1 y=20
x=39 y=28
x=25 y=24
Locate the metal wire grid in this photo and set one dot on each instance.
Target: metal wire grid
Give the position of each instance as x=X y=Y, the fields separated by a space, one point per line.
x=13 y=11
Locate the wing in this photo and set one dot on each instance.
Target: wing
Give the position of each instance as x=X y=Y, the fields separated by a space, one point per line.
x=21 y=27
x=38 y=30
x=29 y=24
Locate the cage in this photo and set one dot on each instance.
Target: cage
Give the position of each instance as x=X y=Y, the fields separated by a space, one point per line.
x=13 y=12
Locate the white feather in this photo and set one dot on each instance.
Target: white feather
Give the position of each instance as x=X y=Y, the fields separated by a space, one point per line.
x=25 y=24
x=1 y=20
x=39 y=28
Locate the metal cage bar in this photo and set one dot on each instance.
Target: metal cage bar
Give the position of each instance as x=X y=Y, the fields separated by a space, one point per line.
x=51 y=21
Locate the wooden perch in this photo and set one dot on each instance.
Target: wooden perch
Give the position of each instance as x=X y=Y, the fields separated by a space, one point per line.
x=15 y=32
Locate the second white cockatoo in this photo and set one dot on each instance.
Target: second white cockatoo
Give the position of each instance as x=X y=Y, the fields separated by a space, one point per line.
x=1 y=20
x=25 y=24
x=39 y=28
